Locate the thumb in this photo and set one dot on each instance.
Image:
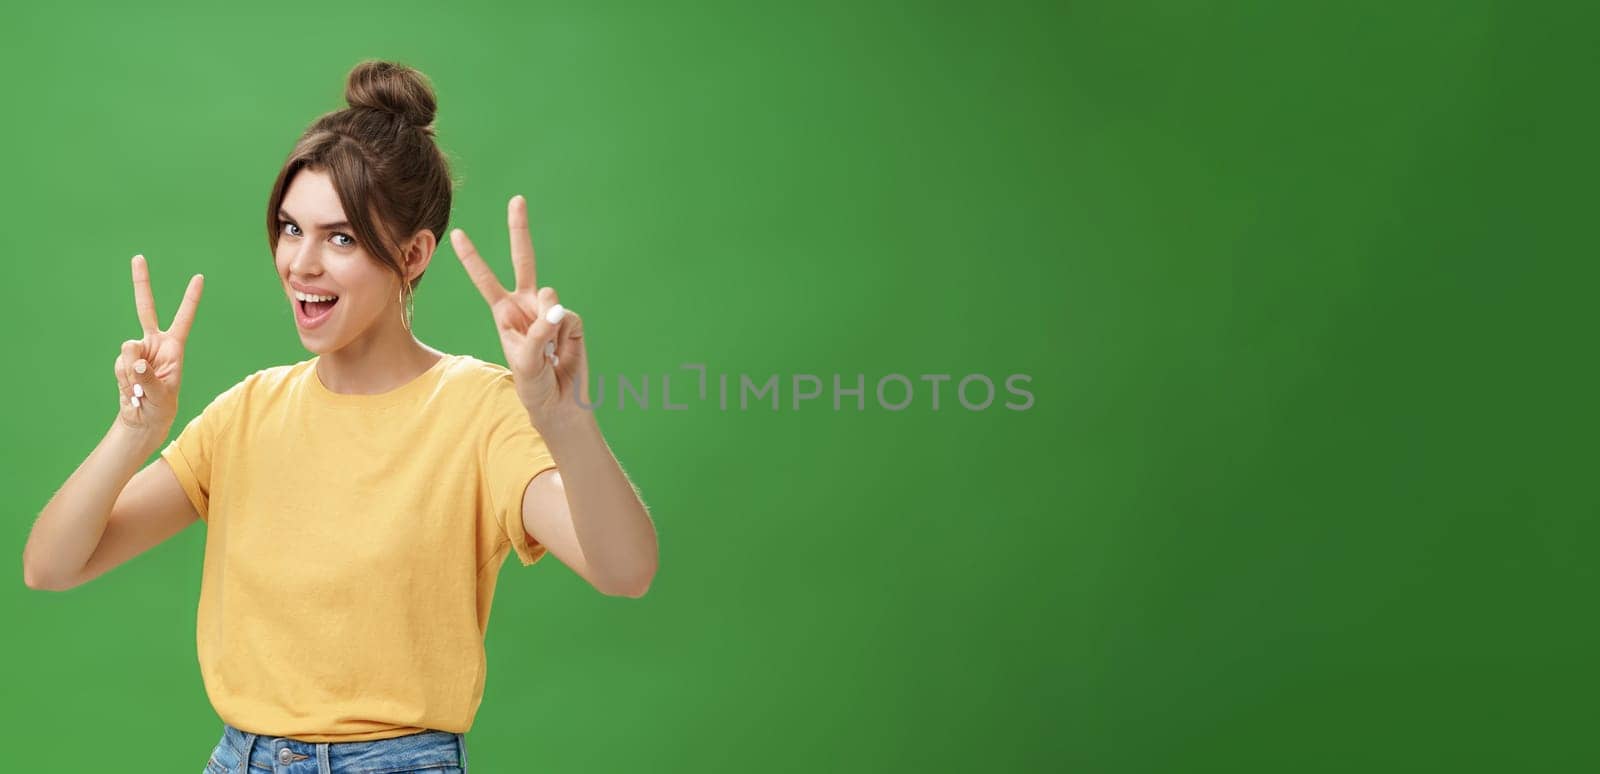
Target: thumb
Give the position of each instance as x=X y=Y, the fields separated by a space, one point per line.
x=533 y=351
x=569 y=335
x=133 y=352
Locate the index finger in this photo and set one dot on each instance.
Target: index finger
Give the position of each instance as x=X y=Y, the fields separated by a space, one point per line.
x=143 y=300
x=521 y=243
x=185 y=317
x=481 y=274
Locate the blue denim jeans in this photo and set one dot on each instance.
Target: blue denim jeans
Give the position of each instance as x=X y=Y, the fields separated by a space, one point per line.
x=433 y=752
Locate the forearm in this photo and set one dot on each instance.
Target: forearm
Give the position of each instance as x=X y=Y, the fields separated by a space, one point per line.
x=611 y=523
x=69 y=528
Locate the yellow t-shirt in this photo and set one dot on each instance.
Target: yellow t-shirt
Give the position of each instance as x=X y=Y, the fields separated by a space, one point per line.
x=352 y=546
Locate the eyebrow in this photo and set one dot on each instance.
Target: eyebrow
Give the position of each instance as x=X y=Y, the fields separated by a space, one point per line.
x=323 y=226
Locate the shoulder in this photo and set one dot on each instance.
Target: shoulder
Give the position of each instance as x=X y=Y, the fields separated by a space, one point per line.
x=468 y=366
x=277 y=376
x=486 y=391
x=271 y=379
x=479 y=377
x=261 y=386
x=243 y=397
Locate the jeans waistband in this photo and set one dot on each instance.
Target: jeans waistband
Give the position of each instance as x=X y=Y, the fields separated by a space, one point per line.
x=421 y=749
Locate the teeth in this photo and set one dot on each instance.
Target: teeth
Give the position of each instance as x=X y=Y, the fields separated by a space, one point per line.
x=309 y=297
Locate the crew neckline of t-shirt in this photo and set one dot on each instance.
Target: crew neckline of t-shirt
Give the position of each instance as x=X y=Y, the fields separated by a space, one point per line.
x=378 y=398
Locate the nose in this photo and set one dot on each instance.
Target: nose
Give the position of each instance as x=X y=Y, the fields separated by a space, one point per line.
x=305 y=260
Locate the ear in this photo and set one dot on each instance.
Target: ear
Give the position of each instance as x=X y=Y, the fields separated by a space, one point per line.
x=419 y=253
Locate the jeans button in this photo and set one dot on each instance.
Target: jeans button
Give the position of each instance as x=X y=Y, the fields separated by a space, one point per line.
x=286 y=756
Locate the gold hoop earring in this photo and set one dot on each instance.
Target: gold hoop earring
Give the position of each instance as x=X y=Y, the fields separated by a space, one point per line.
x=407 y=308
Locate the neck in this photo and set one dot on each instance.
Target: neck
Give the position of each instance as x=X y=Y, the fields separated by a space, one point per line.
x=379 y=362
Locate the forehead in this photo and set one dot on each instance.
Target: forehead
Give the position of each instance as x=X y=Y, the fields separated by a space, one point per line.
x=311 y=196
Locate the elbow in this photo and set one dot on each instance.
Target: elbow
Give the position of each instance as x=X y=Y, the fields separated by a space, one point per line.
x=633 y=586
x=39 y=582
x=39 y=578
x=631 y=591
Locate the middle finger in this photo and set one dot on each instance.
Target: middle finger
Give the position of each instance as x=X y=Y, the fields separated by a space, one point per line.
x=521 y=243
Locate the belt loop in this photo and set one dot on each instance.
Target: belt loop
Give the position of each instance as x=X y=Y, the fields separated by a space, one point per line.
x=324 y=765
x=231 y=737
x=461 y=744
x=244 y=758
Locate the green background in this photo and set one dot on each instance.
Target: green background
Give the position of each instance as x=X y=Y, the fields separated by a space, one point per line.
x=1300 y=288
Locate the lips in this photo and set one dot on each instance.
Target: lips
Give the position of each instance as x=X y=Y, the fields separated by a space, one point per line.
x=312 y=289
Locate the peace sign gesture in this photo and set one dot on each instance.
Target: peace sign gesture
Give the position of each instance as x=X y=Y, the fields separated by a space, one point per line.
x=150 y=369
x=543 y=340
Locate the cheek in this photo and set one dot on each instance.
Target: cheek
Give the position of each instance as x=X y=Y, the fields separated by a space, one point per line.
x=364 y=278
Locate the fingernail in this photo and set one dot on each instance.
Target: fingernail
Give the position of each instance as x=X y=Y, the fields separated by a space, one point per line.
x=140 y=366
x=135 y=401
x=549 y=348
x=555 y=314
x=554 y=361
x=138 y=391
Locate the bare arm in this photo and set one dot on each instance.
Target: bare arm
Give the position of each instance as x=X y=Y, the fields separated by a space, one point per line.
x=105 y=514
x=589 y=514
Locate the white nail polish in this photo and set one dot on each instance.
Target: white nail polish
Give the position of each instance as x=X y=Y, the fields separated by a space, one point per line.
x=138 y=391
x=549 y=348
x=555 y=314
x=554 y=361
x=140 y=366
x=135 y=401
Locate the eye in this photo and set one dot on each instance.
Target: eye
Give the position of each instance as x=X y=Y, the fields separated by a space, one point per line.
x=294 y=231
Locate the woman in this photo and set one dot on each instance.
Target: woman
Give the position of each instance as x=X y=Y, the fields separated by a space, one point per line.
x=359 y=504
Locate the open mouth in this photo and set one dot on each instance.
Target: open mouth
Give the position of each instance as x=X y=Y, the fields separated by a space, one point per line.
x=313 y=312
x=315 y=309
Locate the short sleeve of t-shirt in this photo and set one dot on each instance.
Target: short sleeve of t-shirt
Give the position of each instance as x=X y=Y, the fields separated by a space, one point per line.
x=514 y=453
x=191 y=454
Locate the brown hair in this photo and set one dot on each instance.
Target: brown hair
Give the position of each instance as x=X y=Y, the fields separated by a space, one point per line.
x=392 y=179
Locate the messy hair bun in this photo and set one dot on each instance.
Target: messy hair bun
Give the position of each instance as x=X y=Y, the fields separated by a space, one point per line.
x=393 y=88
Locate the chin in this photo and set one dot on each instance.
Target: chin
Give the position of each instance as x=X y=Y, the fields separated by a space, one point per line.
x=316 y=345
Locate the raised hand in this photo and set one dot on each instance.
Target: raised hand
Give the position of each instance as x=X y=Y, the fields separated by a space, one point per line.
x=150 y=369
x=543 y=340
